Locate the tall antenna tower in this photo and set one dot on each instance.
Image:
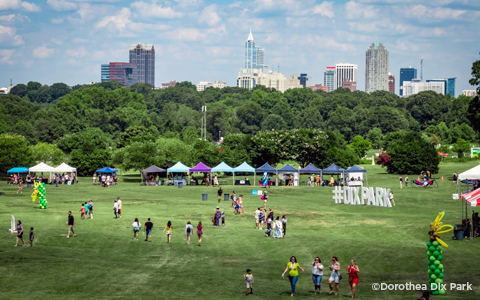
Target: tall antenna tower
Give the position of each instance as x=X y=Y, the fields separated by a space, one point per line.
x=421 y=69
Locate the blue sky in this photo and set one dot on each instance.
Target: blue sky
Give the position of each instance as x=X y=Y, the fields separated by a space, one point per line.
x=200 y=40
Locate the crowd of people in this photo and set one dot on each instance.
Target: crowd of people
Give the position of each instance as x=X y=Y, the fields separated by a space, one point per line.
x=105 y=179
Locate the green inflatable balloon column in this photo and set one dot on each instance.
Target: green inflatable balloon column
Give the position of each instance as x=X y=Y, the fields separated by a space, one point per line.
x=434 y=253
x=41 y=196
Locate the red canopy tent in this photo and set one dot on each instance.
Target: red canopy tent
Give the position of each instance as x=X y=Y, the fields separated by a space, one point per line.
x=472 y=199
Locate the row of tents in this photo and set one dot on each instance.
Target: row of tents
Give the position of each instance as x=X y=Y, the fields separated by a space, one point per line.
x=43 y=167
x=246 y=168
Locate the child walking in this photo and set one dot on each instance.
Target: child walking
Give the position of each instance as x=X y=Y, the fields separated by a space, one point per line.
x=199 y=232
x=249 y=279
x=188 y=231
x=168 y=228
x=391 y=198
x=30 y=239
x=20 y=187
x=223 y=219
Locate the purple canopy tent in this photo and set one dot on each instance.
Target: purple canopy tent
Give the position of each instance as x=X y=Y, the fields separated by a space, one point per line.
x=201 y=167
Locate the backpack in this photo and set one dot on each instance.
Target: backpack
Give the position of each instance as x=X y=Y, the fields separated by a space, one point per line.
x=90 y=206
x=188 y=230
x=263 y=197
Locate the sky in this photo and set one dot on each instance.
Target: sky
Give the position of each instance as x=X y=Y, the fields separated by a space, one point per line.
x=200 y=40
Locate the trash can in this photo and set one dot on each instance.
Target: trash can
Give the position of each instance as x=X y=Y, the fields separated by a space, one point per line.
x=180 y=185
x=204 y=197
x=458 y=234
x=226 y=197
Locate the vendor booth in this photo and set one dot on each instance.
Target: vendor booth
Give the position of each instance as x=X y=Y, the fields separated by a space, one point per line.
x=334 y=169
x=223 y=167
x=356 y=173
x=266 y=168
x=245 y=168
x=152 y=170
x=468 y=178
x=109 y=179
x=43 y=167
x=17 y=171
x=178 y=173
x=471 y=199
x=201 y=167
x=286 y=172
x=64 y=168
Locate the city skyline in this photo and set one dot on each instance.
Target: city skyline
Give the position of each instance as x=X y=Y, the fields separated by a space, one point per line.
x=204 y=40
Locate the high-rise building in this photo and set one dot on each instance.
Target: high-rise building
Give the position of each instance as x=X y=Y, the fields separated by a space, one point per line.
x=254 y=56
x=123 y=72
x=304 y=80
x=391 y=83
x=449 y=85
x=329 y=78
x=352 y=85
x=144 y=56
x=406 y=74
x=376 y=68
x=344 y=72
x=416 y=86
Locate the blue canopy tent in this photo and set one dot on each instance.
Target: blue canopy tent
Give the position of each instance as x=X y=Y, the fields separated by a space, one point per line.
x=267 y=168
x=310 y=169
x=178 y=168
x=333 y=169
x=357 y=169
x=223 y=167
x=18 y=170
x=245 y=168
x=106 y=170
x=287 y=169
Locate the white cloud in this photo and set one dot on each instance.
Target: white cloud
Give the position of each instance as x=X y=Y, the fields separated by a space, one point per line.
x=42 y=52
x=356 y=10
x=79 y=40
x=8 y=36
x=189 y=3
x=187 y=34
x=7 y=18
x=79 y=52
x=324 y=9
x=57 y=20
x=17 y=4
x=119 y=21
x=5 y=55
x=209 y=15
x=371 y=26
x=436 y=14
x=154 y=10
x=292 y=7
x=219 y=51
x=62 y=5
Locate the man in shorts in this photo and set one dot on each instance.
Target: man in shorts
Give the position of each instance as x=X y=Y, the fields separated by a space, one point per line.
x=219 y=192
x=148 y=229
x=119 y=203
x=71 y=224
x=257 y=217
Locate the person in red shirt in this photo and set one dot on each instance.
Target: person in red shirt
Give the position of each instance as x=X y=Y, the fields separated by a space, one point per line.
x=352 y=272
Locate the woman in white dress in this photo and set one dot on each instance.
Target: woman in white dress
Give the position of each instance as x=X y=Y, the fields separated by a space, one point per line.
x=277 y=229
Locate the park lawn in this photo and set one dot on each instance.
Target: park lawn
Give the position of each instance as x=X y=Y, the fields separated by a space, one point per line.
x=103 y=261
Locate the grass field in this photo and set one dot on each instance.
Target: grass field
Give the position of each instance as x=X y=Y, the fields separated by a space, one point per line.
x=103 y=261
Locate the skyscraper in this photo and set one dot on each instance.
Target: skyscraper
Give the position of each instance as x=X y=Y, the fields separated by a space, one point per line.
x=345 y=72
x=406 y=74
x=304 y=80
x=123 y=72
x=329 y=78
x=105 y=75
x=391 y=83
x=449 y=84
x=254 y=55
x=376 y=68
x=144 y=56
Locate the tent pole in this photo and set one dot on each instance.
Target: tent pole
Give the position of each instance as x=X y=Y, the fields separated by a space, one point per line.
x=471 y=224
x=276 y=178
x=233 y=182
x=254 y=177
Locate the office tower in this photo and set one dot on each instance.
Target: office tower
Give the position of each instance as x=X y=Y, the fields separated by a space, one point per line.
x=406 y=74
x=391 y=83
x=144 y=56
x=449 y=85
x=254 y=56
x=376 y=68
x=351 y=85
x=416 y=86
x=329 y=78
x=304 y=80
x=123 y=72
x=344 y=72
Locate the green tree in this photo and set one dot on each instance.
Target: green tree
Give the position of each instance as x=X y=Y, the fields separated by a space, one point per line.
x=360 y=146
x=273 y=121
x=58 y=90
x=473 y=113
x=19 y=90
x=15 y=151
x=45 y=152
x=375 y=136
x=140 y=155
x=135 y=134
x=461 y=147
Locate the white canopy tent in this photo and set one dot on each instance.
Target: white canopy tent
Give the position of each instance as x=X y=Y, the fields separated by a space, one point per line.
x=42 y=167
x=64 y=168
x=472 y=174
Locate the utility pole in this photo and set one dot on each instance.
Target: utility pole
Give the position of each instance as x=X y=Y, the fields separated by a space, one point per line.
x=204 y=123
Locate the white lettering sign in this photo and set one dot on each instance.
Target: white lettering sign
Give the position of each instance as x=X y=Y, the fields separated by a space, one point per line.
x=362 y=196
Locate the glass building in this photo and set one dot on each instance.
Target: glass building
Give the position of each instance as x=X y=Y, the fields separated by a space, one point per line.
x=105 y=75
x=449 y=85
x=329 y=78
x=304 y=80
x=123 y=72
x=144 y=56
x=406 y=74
x=250 y=53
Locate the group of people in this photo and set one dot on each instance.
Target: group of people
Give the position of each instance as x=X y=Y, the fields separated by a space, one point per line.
x=105 y=180
x=279 y=226
x=20 y=234
x=317 y=274
x=314 y=180
x=86 y=209
x=148 y=227
x=400 y=178
x=217 y=216
x=153 y=179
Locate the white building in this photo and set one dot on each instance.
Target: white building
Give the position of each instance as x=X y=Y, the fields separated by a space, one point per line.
x=274 y=80
x=203 y=85
x=294 y=82
x=416 y=86
x=376 y=68
x=470 y=93
x=219 y=84
x=247 y=78
x=344 y=72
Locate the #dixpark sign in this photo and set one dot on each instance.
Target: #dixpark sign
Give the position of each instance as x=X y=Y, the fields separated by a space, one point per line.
x=362 y=196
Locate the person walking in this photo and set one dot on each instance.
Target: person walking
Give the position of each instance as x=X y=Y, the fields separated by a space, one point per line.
x=352 y=272
x=335 y=276
x=71 y=224
x=217 y=216
x=284 y=225
x=257 y=218
x=277 y=229
x=215 y=180
x=19 y=186
x=115 y=208
x=317 y=274
x=292 y=268
x=219 y=193
x=30 y=238
x=233 y=197
x=265 y=199
x=199 y=232
x=391 y=198
x=455 y=176
x=136 y=228
x=249 y=279
x=240 y=204
x=19 y=232
x=168 y=228
x=148 y=230
x=406 y=181
x=90 y=209
x=261 y=217
x=83 y=213
x=188 y=231
x=401 y=180
x=57 y=180
x=119 y=203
